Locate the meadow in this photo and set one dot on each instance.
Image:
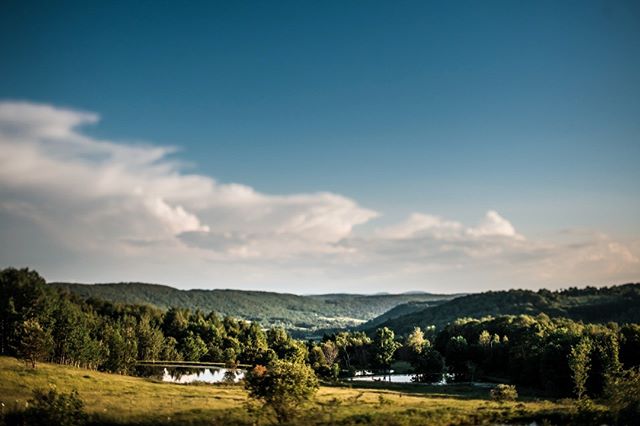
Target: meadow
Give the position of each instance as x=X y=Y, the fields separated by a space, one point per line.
x=126 y=400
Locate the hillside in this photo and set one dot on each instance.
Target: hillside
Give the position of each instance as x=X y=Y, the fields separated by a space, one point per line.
x=114 y=399
x=302 y=313
x=399 y=311
x=617 y=303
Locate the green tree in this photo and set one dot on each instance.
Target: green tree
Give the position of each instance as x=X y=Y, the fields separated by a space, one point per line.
x=122 y=345
x=605 y=358
x=429 y=365
x=623 y=395
x=282 y=386
x=255 y=345
x=169 y=350
x=330 y=352
x=383 y=348
x=354 y=350
x=175 y=323
x=580 y=364
x=24 y=295
x=72 y=334
x=35 y=342
x=193 y=347
x=284 y=346
x=457 y=353
x=150 y=340
x=415 y=340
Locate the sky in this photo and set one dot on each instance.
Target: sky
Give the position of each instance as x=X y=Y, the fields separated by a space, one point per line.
x=315 y=147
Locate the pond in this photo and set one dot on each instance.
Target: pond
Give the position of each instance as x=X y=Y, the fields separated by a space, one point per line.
x=390 y=378
x=447 y=379
x=226 y=375
x=203 y=375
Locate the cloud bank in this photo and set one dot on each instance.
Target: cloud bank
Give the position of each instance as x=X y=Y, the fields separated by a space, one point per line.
x=77 y=207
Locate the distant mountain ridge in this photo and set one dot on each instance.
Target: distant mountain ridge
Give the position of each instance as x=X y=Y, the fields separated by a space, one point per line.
x=619 y=303
x=302 y=313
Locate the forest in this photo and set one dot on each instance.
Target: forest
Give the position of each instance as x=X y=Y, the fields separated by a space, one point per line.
x=619 y=303
x=302 y=315
x=555 y=357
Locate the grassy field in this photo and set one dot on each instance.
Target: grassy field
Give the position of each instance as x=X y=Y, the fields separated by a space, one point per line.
x=115 y=399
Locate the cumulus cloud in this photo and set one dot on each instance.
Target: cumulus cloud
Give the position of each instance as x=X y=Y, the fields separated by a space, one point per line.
x=419 y=224
x=102 y=193
x=78 y=207
x=494 y=225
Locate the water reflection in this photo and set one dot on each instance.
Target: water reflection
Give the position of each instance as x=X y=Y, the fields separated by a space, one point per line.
x=390 y=378
x=368 y=376
x=206 y=375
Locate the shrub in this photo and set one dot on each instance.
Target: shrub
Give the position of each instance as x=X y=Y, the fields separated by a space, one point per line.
x=504 y=393
x=283 y=386
x=623 y=396
x=53 y=408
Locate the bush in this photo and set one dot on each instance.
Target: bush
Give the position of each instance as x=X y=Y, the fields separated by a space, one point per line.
x=282 y=386
x=55 y=408
x=503 y=393
x=623 y=396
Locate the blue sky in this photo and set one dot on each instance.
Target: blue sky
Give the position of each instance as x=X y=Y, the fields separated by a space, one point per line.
x=447 y=109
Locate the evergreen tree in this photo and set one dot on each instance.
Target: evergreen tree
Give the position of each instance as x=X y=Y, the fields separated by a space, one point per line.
x=35 y=342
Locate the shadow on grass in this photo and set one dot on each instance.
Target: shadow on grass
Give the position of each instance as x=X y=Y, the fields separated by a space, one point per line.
x=466 y=391
x=461 y=391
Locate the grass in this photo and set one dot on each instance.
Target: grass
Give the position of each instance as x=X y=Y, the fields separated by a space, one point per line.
x=116 y=399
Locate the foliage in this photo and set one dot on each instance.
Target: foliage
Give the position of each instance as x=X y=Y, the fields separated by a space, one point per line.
x=38 y=322
x=623 y=395
x=35 y=343
x=23 y=296
x=383 y=348
x=532 y=351
x=124 y=400
x=322 y=358
x=50 y=407
x=283 y=386
x=630 y=345
x=504 y=392
x=301 y=313
x=429 y=365
x=416 y=340
x=353 y=348
x=596 y=305
x=538 y=352
x=580 y=364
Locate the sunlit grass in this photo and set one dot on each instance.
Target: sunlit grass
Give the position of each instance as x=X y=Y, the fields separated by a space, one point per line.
x=124 y=399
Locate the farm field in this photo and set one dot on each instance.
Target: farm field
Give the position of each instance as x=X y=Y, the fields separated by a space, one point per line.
x=118 y=399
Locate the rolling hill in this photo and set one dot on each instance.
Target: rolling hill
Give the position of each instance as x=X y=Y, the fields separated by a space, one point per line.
x=617 y=303
x=301 y=313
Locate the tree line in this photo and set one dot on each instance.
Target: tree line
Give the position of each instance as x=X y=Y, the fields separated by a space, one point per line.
x=558 y=356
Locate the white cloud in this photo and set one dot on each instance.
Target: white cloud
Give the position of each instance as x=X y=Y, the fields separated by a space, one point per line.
x=77 y=207
x=176 y=219
x=421 y=224
x=104 y=193
x=494 y=225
